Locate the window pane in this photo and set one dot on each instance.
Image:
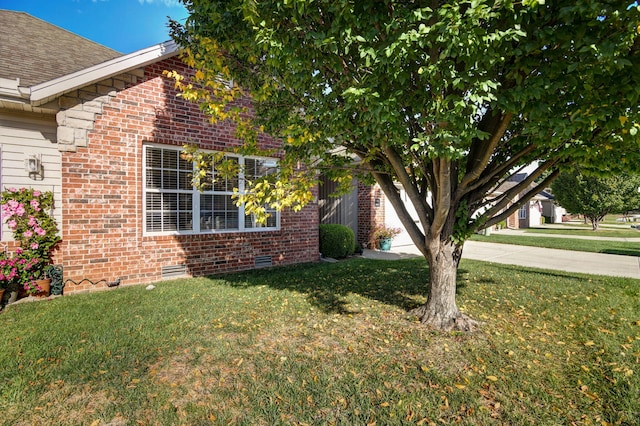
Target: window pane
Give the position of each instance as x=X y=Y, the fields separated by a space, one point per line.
x=233 y=182
x=154 y=201
x=185 y=180
x=220 y=202
x=185 y=164
x=226 y=183
x=232 y=220
x=154 y=157
x=184 y=222
x=251 y=222
x=170 y=221
x=206 y=182
x=206 y=202
x=154 y=178
x=154 y=222
x=249 y=168
x=170 y=159
x=170 y=202
x=169 y=179
x=186 y=202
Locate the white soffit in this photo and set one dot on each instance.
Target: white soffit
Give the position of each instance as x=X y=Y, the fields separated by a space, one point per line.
x=43 y=92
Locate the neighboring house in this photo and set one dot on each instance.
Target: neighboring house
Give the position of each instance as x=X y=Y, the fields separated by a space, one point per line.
x=532 y=212
x=552 y=212
x=108 y=130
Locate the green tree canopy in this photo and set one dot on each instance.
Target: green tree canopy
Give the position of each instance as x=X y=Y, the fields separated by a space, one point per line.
x=596 y=196
x=446 y=98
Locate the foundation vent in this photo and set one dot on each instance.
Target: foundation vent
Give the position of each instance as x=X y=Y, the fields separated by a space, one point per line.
x=262 y=261
x=174 y=271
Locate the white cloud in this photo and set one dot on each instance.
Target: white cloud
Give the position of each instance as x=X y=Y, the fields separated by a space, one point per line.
x=168 y=3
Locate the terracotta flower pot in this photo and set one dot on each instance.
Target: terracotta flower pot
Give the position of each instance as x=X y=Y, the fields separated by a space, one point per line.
x=45 y=287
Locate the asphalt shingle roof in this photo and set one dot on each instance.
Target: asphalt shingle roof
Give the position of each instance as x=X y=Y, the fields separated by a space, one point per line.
x=36 y=51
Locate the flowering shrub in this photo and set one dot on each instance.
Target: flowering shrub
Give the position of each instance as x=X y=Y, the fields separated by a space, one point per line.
x=25 y=211
x=381 y=231
x=20 y=268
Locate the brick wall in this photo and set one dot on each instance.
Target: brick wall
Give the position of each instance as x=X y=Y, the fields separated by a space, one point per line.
x=370 y=214
x=102 y=193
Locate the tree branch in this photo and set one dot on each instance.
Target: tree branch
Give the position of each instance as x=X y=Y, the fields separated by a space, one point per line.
x=442 y=197
x=528 y=195
x=418 y=201
x=484 y=150
x=510 y=194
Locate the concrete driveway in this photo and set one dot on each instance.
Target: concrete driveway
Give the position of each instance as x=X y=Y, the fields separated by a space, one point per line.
x=536 y=257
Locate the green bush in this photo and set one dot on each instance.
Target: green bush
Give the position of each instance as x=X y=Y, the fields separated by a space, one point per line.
x=336 y=240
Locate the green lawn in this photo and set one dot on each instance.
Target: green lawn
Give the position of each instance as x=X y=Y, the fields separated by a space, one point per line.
x=588 y=232
x=328 y=344
x=594 y=246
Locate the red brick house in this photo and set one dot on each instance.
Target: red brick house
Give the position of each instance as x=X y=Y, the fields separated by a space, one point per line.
x=108 y=130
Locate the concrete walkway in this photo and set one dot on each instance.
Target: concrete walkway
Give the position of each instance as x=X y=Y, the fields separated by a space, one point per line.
x=536 y=257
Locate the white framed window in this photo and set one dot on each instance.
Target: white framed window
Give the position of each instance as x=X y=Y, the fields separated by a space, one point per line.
x=522 y=213
x=172 y=205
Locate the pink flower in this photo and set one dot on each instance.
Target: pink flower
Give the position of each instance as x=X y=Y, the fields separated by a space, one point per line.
x=12 y=224
x=20 y=211
x=40 y=231
x=36 y=193
x=32 y=221
x=28 y=233
x=34 y=246
x=35 y=205
x=19 y=250
x=12 y=190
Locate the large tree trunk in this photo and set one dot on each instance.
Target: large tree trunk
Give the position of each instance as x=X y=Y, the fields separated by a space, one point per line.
x=440 y=311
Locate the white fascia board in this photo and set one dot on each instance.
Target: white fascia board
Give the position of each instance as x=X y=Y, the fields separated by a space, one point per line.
x=58 y=86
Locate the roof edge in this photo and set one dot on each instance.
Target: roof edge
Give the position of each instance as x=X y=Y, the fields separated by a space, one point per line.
x=43 y=92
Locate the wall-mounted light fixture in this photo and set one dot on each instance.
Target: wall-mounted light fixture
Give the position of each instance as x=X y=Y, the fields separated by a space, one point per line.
x=33 y=166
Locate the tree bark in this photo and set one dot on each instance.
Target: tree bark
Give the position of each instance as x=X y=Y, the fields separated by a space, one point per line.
x=441 y=311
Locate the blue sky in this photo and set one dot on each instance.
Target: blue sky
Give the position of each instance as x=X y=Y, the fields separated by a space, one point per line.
x=123 y=25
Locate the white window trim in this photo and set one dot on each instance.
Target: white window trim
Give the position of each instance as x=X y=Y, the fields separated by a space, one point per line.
x=523 y=211
x=196 y=201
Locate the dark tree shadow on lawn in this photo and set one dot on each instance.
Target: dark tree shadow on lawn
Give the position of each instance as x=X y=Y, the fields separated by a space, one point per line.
x=402 y=283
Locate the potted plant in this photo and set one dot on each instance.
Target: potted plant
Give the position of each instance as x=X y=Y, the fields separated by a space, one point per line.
x=26 y=212
x=22 y=270
x=382 y=235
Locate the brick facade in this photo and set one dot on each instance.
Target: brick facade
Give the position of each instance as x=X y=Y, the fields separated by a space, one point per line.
x=370 y=211
x=102 y=193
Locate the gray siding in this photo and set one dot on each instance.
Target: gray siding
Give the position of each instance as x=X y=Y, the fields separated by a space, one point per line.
x=342 y=210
